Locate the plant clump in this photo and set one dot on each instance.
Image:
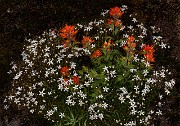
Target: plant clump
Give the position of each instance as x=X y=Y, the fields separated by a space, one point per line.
x=116 y=85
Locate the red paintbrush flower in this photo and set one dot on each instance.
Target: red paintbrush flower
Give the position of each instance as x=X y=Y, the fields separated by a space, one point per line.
x=116 y=12
x=108 y=44
x=86 y=40
x=64 y=70
x=148 y=49
x=68 y=31
x=96 y=53
x=76 y=80
x=148 y=53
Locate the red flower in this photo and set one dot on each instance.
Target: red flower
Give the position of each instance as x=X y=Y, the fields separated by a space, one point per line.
x=75 y=80
x=64 y=70
x=86 y=40
x=149 y=57
x=131 y=39
x=116 y=12
x=108 y=44
x=148 y=53
x=130 y=45
x=116 y=23
x=96 y=53
x=148 y=49
x=68 y=32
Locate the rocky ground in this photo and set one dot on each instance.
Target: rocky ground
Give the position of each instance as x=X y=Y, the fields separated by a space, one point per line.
x=19 y=19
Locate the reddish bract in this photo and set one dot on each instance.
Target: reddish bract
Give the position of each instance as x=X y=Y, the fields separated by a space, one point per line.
x=148 y=53
x=68 y=32
x=96 y=53
x=64 y=70
x=116 y=12
x=75 y=80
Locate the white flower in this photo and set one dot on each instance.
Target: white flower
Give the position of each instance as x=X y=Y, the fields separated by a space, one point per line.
x=136 y=77
x=130 y=27
x=61 y=115
x=49 y=113
x=100 y=96
x=134 y=20
x=136 y=59
x=40 y=84
x=105 y=69
x=105 y=89
x=16 y=100
x=124 y=7
x=91 y=117
x=162 y=74
x=96 y=37
x=47 y=49
x=125 y=35
x=73 y=103
x=18 y=75
x=47 y=74
x=70 y=55
x=11 y=97
x=169 y=84
x=133 y=111
x=153 y=27
x=159 y=112
x=86 y=83
x=107 y=78
x=93 y=45
x=30 y=94
x=14 y=67
x=112 y=73
x=100 y=116
x=72 y=65
x=123 y=89
x=88 y=28
x=103 y=14
x=121 y=98
x=136 y=87
x=141 y=36
x=104 y=105
x=91 y=80
x=6 y=107
x=50 y=62
x=81 y=102
x=32 y=110
x=145 y=72
x=133 y=70
x=167 y=91
x=69 y=101
x=36 y=102
x=141 y=112
x=18 y=93
x=91 y=23
x=42 y=107
x=81 y=26
x=41 y=93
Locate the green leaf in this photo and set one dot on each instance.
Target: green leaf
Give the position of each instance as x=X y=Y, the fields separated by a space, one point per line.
x=93 y=73
x=108 y=37
x=116 y=31
x=118 y=41
x=85 y=68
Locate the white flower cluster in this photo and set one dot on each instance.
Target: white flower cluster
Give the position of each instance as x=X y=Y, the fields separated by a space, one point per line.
x=110 y=72
x=96 y=114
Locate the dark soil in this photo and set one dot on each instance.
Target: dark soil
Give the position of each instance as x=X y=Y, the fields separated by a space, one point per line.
x=20 y=19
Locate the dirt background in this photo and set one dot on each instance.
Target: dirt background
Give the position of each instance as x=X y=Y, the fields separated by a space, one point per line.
x=21 y=18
